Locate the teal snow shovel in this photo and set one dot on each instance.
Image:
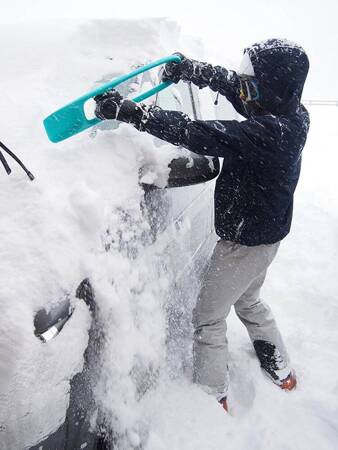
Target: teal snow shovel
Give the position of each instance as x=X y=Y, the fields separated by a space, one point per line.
x=71 y=119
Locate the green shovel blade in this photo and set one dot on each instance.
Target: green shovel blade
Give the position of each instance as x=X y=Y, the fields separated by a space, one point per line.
x=71 y=119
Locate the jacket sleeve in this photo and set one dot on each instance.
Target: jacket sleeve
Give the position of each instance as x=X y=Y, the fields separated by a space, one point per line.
x=218 y=79
x=252 y=138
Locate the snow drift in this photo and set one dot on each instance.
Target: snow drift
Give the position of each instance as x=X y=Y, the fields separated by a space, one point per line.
x=54 y=230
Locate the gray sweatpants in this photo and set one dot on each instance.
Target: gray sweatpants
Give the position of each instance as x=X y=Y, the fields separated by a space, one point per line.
x=234 y=277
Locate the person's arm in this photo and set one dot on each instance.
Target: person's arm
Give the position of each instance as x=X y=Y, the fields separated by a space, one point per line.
x=169 y=126
x=252 y=138
x=217 y=78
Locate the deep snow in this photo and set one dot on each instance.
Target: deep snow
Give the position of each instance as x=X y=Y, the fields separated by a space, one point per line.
x=51 y=234
x=54 y=230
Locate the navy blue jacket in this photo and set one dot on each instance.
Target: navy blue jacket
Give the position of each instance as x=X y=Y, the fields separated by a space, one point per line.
x=262 y=154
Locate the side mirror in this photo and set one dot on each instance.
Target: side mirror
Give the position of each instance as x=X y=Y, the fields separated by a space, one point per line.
x=189 y=171
x=47 y=325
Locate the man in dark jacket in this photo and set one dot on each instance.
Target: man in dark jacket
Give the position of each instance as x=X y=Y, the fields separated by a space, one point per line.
x=253 y=194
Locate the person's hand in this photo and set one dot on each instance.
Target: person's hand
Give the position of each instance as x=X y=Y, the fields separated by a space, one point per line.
x=173 y=71
x=108 y=104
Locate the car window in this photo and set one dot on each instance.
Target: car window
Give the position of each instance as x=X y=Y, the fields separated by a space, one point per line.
x=224 y=110
x=194 y=92
x=178 y=97
x=167 y=100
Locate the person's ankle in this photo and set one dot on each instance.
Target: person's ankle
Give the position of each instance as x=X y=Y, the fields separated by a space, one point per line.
x=224 y=403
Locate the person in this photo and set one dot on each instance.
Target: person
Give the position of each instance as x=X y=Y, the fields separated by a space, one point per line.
x=253 y=194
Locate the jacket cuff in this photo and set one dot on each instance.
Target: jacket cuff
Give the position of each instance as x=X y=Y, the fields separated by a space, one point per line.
x=199 y=73
x=130 y=112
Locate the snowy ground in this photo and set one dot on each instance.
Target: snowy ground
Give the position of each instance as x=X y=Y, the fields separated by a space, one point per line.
x=50 y=238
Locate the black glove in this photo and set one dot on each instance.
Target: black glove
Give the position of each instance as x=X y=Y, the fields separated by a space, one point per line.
x=108 y=104
x=199 y=73
x=111 y=105
x=174 y=71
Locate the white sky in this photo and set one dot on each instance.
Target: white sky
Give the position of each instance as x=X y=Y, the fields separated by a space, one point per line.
x=225 y=27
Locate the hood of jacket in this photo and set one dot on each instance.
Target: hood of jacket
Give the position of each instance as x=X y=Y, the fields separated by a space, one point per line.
x=281 y=68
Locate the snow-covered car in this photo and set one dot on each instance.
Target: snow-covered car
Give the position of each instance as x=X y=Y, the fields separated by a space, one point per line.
x=185 y=204
x=108 y=338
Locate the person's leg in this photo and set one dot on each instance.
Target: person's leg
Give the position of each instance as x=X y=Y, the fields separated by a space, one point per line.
x=232 y=269
x=210 y=353
x=256 y=315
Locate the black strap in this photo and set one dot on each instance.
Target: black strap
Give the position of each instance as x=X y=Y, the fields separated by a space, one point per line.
x=6 y=166
x=216 y=99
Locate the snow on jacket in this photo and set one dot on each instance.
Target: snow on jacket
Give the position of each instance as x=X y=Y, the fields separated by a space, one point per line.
x=262 y=154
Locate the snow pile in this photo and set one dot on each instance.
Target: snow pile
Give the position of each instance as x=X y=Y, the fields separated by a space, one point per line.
x=54 y=231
